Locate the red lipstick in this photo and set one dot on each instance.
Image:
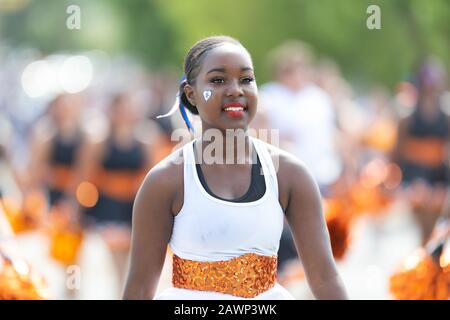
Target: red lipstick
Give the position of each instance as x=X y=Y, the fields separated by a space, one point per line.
x=234 y=109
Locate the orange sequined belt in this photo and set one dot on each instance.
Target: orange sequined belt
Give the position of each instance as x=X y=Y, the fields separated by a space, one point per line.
x=429 y=152
x=61 y=177
x=119 y=184
x=245 y=276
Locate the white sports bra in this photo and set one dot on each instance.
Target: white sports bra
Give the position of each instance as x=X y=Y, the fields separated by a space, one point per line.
x=211 y=229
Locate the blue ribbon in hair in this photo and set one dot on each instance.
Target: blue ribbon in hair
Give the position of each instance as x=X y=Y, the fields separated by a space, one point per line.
x=180 y=105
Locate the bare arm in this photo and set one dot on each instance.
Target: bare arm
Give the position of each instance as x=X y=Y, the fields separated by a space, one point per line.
x=402 y=134
x=307 y=222
x=152 y=229
x=39 y=163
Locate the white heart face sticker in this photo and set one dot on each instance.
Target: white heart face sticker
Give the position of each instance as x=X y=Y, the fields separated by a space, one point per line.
x=207 y=94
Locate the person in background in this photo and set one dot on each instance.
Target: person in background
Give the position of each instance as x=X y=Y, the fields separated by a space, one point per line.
x=55 y=148
x=422 y=148
x=306 y=120
x=112 y=168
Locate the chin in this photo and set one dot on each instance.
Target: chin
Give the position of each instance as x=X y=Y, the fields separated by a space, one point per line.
x=236 y=125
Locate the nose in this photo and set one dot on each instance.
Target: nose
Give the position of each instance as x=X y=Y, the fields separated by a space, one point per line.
x=234 y=89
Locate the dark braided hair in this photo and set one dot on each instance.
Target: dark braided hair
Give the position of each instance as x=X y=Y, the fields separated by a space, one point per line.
x=193 y=60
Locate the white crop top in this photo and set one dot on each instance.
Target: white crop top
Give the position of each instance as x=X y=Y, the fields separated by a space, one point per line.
x=211 y=229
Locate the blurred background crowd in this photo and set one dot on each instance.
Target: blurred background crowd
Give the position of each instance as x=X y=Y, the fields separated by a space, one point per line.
x=367 y=111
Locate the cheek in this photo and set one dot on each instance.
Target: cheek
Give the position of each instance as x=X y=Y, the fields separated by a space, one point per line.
x=215 y=96
x=252 y=100
x=252 y=96
x=208 y=102
x=210 y=108
x=202 y=97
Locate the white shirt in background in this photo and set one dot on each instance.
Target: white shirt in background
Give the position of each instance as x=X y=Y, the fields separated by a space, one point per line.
x=306 y=120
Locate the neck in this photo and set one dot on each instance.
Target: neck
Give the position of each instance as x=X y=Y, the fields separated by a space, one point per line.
x=68 y=128
x=121 y=132
x=428 y=106
x=231 y=146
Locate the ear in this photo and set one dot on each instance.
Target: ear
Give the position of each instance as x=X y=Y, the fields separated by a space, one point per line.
x=190 y=94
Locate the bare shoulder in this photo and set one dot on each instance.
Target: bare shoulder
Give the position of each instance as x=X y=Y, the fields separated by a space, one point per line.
x=168 y=170
x=165 y=181
x=43 y=132
x=93 y=145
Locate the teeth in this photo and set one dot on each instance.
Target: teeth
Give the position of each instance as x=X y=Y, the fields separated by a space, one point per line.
x=234 y=109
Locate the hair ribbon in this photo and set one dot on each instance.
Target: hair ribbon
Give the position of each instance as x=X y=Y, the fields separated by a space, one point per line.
x=180 y=105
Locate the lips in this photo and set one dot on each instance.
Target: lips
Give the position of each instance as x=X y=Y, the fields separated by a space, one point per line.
x=234 y=107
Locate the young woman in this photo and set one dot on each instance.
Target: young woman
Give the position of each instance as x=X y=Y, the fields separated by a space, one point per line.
x=223 y=222
x=422 y=149
x=116 y=164
x=55 y=148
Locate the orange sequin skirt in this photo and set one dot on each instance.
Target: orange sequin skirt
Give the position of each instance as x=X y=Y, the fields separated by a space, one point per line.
x=246 y=276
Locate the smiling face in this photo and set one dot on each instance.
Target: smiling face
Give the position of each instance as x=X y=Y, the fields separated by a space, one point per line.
x=227 y=72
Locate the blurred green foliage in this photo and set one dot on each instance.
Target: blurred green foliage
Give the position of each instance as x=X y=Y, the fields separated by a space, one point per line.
x=159 y=32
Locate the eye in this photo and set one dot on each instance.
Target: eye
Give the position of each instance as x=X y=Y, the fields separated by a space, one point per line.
x=217 y=80
x=248 y=80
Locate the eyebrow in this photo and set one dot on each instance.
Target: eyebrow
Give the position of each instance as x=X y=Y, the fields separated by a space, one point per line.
x=223 y=69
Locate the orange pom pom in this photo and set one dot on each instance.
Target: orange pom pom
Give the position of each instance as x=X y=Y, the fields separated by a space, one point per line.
x=18 y=281
x=27 y=215
x=338 y=220
x=424 y=275
x=66 y=235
